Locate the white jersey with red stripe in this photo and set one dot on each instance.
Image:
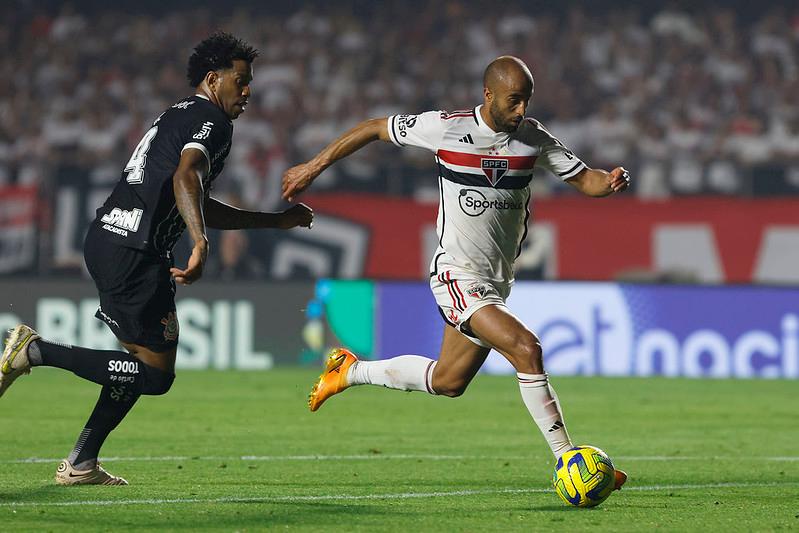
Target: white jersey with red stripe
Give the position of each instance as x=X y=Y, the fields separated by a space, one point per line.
x=484 y=181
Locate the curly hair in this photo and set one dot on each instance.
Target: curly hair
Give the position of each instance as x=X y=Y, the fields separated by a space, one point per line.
x=217 y=52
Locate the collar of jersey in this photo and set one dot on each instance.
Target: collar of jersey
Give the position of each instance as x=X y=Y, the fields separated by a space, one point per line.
x=198 y=95
x=485 y=127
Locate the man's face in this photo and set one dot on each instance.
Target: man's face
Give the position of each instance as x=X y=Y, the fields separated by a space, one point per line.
x=232 y=88
x=507 y=104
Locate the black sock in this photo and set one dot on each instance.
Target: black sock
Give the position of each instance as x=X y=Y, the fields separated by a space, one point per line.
x=114 y=403
x=124 y=378
x=104 y=367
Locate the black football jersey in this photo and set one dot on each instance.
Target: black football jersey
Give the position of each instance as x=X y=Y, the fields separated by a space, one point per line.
x=141 y=211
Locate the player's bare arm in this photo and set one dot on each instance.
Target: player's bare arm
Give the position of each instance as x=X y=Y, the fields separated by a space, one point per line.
x=597 y=182
x=219 y=215
x=188 y=186
x=298 y=178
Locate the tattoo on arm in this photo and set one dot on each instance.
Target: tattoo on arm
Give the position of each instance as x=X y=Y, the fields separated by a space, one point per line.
x=188 y=188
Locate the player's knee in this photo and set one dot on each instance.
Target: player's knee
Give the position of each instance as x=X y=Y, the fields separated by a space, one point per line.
x=528 y=352
x=451 y=392
x=157 y=381
x=450 y=389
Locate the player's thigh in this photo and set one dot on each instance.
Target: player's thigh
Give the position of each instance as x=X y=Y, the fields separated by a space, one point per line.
x=458 y=362
x=161 y=360
x=497 y=326
x=137 y=296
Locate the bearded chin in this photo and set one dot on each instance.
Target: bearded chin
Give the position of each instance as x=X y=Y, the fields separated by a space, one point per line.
x=498 y=121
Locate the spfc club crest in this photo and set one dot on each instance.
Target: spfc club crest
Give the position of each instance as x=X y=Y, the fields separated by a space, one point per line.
x=477 y=291
x=494 y=169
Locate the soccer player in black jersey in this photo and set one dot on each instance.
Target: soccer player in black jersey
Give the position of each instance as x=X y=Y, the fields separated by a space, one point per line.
x=164 y=189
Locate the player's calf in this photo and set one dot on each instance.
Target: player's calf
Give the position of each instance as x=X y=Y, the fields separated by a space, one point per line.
x=104 y=367
x=344 y=370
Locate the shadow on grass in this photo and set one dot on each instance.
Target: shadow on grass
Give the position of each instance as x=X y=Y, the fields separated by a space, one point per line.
x=559 y=508
x=41 y=494
x=246 y=516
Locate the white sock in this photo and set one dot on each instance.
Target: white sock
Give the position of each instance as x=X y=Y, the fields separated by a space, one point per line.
x=404 y=372
x=544 y=407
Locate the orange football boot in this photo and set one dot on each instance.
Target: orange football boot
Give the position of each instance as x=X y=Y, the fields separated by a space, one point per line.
x=621 y=479
x=334 y=379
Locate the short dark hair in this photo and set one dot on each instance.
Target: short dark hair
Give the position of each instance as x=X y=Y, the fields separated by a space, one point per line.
x=215 y=53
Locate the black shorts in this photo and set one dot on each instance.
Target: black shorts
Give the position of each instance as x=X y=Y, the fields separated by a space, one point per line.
x=137 y=292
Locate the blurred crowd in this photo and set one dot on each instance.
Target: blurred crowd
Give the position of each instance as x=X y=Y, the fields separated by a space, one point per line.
x=693 y=102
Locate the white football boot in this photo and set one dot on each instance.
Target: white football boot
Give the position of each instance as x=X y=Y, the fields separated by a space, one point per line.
x=14 y=361
x=67 y=475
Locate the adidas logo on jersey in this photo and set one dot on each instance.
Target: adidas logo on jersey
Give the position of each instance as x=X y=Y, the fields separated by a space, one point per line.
x=121 y=221
x=466 y=139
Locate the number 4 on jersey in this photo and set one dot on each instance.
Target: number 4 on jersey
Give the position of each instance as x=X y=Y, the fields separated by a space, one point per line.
x=135 y=167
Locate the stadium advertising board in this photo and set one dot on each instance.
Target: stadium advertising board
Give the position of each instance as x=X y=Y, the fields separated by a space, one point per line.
x=222 y=326
x=615 y=329
x=586 y=328
x=711 y=240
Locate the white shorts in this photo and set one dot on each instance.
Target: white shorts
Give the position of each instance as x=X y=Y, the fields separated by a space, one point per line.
x=459 y=295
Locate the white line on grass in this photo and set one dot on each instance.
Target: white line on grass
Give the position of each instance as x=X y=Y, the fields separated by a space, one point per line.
x=779 y=458
x=362 y=457
x=388 y=456
x=357 y=497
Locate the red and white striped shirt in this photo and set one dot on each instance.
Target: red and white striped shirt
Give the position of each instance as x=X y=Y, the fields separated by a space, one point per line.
x=484 y=182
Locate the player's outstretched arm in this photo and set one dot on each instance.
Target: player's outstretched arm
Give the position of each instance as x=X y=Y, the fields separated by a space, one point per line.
x=188 y=187
x=298 y=178
x=219 y=215
x=597 y=182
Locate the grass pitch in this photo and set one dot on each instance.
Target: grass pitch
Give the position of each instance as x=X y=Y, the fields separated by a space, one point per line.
x=232 y=451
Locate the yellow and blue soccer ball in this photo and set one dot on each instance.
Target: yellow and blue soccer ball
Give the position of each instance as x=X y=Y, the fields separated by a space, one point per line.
x=584 y=476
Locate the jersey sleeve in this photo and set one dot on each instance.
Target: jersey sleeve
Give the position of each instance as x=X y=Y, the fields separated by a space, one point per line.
x=206 y=136
x=556 y=157
x=425 y=130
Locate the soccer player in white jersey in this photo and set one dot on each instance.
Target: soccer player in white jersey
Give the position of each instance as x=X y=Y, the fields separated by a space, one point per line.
x=486 y=157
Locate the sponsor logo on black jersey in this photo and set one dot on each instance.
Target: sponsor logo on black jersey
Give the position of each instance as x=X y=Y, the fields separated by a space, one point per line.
x=222 y=151
x=183 y=105
x=204 y=132
x=474 y=203
x=494 y=169
x=121 y=221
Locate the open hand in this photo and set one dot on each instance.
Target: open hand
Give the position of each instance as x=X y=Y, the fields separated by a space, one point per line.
x=297 y=179
x=194 y=270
